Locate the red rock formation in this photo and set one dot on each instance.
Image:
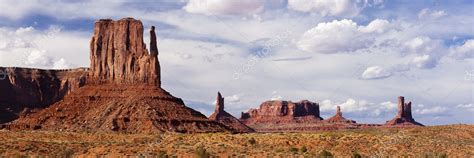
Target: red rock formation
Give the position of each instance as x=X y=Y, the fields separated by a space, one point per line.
x=24 y=89
x=404 y=116
x=338 y=118
x=122 y=91
x=119 y=55
x=227 y=119
x=282 y=115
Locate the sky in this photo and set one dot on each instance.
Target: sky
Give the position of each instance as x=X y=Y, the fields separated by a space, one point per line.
x=360 y=55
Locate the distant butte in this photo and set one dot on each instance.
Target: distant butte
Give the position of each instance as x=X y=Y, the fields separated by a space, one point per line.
x=338 y=118
x=221 y=116
x=404 y=116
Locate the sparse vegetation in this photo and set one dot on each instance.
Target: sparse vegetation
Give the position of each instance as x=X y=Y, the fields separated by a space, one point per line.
x=455 y=140
x=293 y=150
x=325 y=154
x=303 y=149
x=252 y=141
x=201 y=152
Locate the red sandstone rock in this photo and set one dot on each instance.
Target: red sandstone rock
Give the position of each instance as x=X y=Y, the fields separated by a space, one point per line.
x=122 y=91
x=119 y=55
x=283 y=112
x=404 y=116
x=24 y=89
x=338 y=118
x=227 y=119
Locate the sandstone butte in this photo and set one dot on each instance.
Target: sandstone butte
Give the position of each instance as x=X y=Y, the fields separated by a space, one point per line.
x=227 y=119
x=278 y=116
x=120 y=92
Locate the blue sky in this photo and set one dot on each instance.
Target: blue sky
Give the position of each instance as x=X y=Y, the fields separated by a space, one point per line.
x=358 y=54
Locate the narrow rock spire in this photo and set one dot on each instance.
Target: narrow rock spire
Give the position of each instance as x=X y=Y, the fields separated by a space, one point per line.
x=219 y=103
x=153 y=45
x=338 y=111
x=401 y=107
x=154 y=56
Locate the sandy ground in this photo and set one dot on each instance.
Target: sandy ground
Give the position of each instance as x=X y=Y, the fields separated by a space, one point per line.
x=434 y=141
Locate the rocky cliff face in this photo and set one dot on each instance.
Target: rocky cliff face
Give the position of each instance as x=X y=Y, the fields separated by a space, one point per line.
x=338 y=118
x=24 y=89
x=119 y=55
x=283 y=112
x=227 y=119
x=404 y=116
x=122 y=92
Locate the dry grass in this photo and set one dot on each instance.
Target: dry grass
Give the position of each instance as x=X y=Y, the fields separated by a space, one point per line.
x=435 y=141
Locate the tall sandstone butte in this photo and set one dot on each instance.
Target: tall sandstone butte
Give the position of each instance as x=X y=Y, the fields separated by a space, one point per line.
x=119 y=55
x=227 y=119
x=404 y=116
x=122 y=91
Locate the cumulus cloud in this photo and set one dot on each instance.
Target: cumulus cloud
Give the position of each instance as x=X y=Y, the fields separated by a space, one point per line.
x=343 y=8
x=29 y=47
x=39 y=58
x=362 y=107
x=341 y=36
x=431 y=110
x=375 y=72
x=432 y=14
x=424 y=61
x=228 y=7
x=233 y=98
x=463 y=51
x=469 y=107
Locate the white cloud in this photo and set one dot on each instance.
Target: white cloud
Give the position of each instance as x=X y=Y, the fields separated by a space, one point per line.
x=375 y=72
x=39 y=58
x=344 y=8
x=424 y=61
x=233 y=98
x=431 y=110
x=362 y=107
x=432 y=14
x=61 y=64
x=469 y=107
x=229 y=7
x=463 y=51
x=50 y=48
x=341 y=36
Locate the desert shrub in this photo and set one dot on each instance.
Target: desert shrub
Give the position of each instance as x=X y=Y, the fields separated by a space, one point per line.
x=293 y=149
x=66 y=153
x=303 y=149
x=443 y=155
x=201 y=152
x=162 y=154
x=324 y=154
x=252 y=141
x=355 y=154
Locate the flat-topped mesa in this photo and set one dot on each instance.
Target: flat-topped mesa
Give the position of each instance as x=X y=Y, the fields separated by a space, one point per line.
x=283 y=112
x=404 y=116
x=119 y=55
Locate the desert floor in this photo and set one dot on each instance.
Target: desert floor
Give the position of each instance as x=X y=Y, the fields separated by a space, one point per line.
x=433 y=141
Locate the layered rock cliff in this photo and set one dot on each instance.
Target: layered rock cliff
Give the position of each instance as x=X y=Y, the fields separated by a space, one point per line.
x=227 y=119
x=122 y=92
x=404 y=116
x=119 y=55
x=283 y=112
x=25 y=89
